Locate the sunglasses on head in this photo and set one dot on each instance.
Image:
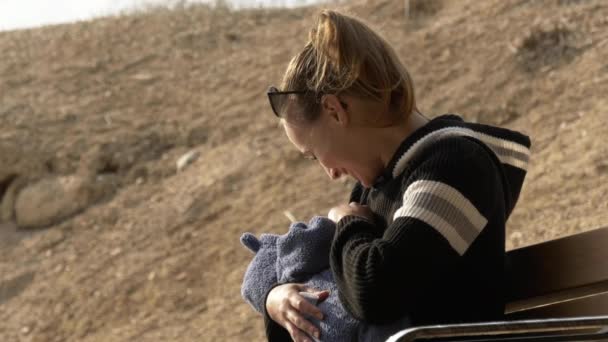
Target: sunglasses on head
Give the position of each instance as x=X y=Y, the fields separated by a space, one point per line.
x=279 y=99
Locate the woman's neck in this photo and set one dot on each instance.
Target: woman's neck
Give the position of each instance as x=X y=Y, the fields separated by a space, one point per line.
x=390 y=138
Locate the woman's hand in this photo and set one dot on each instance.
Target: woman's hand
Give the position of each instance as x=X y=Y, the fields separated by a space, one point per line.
x=354 y=208
x=285 y=306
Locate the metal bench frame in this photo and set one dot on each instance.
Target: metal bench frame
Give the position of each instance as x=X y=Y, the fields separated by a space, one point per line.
x=560 y=329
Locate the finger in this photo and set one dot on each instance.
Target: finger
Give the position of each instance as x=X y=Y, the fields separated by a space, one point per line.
x=321 y=294
x=311 y=297
x=296 y=334
x=306 y=288
x=300 y=323
x=304 y=306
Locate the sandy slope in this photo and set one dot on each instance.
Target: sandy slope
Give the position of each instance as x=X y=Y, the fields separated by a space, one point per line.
x=125 y=97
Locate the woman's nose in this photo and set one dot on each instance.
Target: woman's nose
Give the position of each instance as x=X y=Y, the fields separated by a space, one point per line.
x=333 y=173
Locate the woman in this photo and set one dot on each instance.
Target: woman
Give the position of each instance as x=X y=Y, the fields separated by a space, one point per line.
x=422 y=239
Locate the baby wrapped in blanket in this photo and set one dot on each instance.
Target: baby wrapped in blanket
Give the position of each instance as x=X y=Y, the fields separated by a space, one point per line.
x=302 y=256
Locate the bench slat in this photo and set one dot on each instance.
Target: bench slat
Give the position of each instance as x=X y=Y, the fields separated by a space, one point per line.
x=552 y=271
x=594 y=305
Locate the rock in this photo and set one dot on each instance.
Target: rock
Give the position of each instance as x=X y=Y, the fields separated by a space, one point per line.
x=46 y=241
x=6 y=178
x=7 y=201
x=187 y=159
x=52 y=200
x=25 y=330
x=144 y=77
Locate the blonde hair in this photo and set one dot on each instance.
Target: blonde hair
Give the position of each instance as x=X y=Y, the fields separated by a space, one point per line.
x=344 y=55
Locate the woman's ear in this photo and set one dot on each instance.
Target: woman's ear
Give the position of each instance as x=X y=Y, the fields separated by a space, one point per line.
x=335 y=109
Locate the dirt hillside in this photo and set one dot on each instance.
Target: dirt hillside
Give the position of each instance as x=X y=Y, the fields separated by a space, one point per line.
x=106 y=239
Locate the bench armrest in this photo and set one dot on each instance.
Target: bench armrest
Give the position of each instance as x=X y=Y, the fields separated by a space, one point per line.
x=562 y=329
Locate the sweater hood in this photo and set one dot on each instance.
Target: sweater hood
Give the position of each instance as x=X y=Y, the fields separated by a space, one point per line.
x=511 y=150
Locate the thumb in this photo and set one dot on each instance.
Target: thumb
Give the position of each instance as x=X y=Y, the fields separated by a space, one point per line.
x=319 y=293
x=305 y=288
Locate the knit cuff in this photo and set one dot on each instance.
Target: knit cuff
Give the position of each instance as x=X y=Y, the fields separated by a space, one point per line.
x=345 y=220
x=352 y=223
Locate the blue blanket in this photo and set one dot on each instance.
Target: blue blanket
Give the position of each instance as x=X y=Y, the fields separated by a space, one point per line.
x=302 y=255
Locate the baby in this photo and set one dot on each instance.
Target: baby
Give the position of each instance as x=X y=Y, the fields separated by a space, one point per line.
x=302 y=255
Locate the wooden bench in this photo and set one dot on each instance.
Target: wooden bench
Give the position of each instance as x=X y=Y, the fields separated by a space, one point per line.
x=558 y=292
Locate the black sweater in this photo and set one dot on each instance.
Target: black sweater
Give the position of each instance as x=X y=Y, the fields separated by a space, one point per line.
x=435 y=251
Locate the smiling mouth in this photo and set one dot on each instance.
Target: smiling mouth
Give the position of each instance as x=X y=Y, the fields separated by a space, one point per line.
x=345 y=172
x=352 y=176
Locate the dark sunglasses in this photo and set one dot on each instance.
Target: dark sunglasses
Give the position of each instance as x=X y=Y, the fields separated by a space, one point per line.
x=278 y=99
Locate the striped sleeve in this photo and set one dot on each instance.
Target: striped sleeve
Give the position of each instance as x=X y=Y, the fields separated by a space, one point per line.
x=447 y=203
x=445 y=209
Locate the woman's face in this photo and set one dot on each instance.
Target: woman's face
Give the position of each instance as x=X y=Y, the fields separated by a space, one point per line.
x=339 y=147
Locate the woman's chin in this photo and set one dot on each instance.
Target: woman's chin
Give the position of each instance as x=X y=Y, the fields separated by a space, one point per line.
x=362 y=181
x=358 y=178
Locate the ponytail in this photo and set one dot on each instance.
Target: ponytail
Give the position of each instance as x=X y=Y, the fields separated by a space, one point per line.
x=344 y=55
